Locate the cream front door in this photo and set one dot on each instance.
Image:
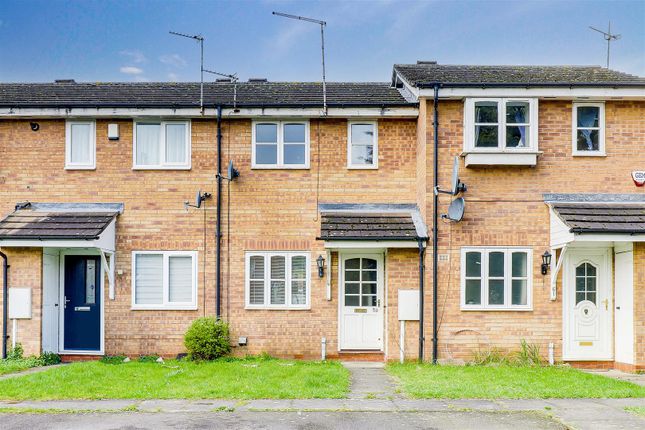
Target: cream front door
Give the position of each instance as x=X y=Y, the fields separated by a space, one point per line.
x=361 y=302
x=587 y=306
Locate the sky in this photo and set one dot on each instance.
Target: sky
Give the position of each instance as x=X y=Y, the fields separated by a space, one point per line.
x=106 y=40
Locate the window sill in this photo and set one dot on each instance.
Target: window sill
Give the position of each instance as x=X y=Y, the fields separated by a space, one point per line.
x=501 y=309
x=524 y=158
x=277 y=308
x=588 y=154
x=298 y=167
x=362 y=167
x=164 y=308
x=161 y=167
x=80 y=167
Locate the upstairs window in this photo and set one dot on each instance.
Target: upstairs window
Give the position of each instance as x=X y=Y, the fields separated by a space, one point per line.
x=589 y=129
x=500 y=125
x=280 y=145
x=162 y=145
x=496 y=278
x=278 y=280
x=80 y=145
x=362 y=145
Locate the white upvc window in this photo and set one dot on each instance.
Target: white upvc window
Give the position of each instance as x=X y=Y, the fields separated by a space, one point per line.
x=164 y=280
x=80 y=145
x=280 y=145
x=507 y=125
x=496 y=278
x=588 y=128
x=362 y=145
x=161 y=145
x=277 y=280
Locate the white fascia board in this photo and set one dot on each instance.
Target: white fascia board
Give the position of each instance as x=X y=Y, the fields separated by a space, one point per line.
x=53 y=243
x=355 y=112
x=371 y=244
x=567 y=93
x=608 y=237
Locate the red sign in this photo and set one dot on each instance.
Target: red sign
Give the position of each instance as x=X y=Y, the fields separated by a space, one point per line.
x=639 y=177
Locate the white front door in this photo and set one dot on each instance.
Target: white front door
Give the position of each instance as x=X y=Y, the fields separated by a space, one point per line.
x=361 y=302
x=587 y=306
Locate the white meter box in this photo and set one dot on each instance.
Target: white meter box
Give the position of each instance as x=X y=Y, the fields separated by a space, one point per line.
x=19 y=303
x=408 y=305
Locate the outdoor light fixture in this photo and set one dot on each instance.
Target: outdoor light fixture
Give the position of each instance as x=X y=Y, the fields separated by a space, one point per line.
x=546 y=262
x=320 y=261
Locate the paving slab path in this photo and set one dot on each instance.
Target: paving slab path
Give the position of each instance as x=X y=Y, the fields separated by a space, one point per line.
x=370 y=381
x=634 y=378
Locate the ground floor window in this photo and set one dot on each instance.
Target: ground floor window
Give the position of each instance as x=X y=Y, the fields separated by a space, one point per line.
x=164 y=280
x=277 y=280
x=496 y=278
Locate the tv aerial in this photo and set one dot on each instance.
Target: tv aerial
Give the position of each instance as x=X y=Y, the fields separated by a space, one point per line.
x=458 y=205
x=231 y=172
x=199 y=199
x=608 y=36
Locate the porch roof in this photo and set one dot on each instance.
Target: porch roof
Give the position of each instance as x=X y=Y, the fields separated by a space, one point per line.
x=602 y=218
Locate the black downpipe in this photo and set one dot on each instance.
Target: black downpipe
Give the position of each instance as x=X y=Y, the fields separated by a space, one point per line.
x=421 y=294
x=5 y=308
x=218 y=234
x=435 y=217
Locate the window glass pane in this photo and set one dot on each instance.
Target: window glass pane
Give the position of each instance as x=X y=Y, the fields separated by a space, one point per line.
x=256 y=293
x=278 y=293
x=352 y=275
x=257 y=267
x=580 y=297
x=496 y=292
x=352 y=300
x=266 y=154
x=176 y=143
x=180 y=279
x=587 y=140
x=581 y=284
x=588 y=116
x=298 y=292
x=277 y=267
x=516 y=136
x=369 y=275
x=369 y=263
x=591 y=269
x=519 y=292
x=591 y=297
x=299 y=267
x=486 y=112
x=473 y=264
x=352 y=288
x=473 y=292
x=294 y=133
x=278 y=273
x=368 y=301
x=369 y=288
x=362 y=134
x=591 y=284
x=486 y=136
x=496 y=264
x=90 y=282
x=519 y=264
x=362 y=154
x=80 y=144
x=148 y=283
x=147 y=144
x=353 y=263
x=580 y=270
x=294 y=154
x=517 y=112
x=266 y=133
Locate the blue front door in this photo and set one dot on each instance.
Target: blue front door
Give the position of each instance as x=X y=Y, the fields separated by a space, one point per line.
x=82 y=303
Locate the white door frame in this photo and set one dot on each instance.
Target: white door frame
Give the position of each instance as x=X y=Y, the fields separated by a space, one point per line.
x=380 y=255
x=568 y=294
x=61 y=307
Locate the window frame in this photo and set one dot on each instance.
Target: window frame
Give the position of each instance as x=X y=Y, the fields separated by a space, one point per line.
x=508 y=279
x=372 y=166
x=280 y=145
x=267 y=280
x=163 y=165
x=575 y=152
x=469 y=125
x=68 y=145
x=166 y=304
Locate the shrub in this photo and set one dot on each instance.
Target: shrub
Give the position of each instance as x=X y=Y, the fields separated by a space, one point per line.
x=528 y=355
x=16 y=353
x=490 y=356
x=112 y=359
x=207 y=339
x=48 y=359
x=148 y=358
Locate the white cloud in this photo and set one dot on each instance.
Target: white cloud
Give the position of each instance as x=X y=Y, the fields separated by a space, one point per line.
x=173 y=77
x=134 y=55
x=173 y=60
x=131 y=70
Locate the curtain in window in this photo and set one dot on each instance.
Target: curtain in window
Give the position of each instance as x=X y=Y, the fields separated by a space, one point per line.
x=362 y=148
x=176 y=143
x=148 y=144
x=148 y=284
x=80 y=145
x=520 y=117
x=180 y=279
x=587 y=117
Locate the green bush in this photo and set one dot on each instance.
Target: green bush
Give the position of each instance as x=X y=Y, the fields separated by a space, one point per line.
x=16 y=353
x=148 y=358
x=207 y=339
x=112 y=359
x=48 y=359
x=529 y=355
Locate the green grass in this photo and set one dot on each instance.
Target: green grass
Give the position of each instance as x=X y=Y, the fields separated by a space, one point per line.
x=510 y=382
x=233 y=379
x=638 y=410
x=10 y=366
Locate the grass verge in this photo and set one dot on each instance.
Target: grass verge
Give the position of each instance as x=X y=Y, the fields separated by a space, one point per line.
x=230 y=379
x=509 y=382
x=16 y=365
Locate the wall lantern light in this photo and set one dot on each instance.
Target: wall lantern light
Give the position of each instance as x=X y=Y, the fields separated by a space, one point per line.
x=546 y=262
x=320 y=261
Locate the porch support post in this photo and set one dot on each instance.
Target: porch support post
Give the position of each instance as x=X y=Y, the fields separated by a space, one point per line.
x=108 y=269
x=555 y=271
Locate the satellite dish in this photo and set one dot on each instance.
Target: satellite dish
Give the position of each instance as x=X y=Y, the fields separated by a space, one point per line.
x=457 y=185
x=456 y=209
x=199 y=199
x=232 y=171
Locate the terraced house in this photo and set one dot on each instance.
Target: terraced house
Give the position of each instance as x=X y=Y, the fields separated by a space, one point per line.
x=504 y=202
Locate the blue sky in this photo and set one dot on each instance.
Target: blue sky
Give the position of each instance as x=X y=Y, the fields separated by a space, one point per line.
x=128 y=40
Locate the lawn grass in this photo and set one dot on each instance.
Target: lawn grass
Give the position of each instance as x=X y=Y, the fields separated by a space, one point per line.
x=232 y=379
x=10 y=366
x=510 y=382
x=638 y=410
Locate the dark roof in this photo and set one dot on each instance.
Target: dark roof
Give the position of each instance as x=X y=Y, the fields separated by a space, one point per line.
x=27 y=224
x=367 y=226
x=460 y=75
x=167 y=94
x=602 y=218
